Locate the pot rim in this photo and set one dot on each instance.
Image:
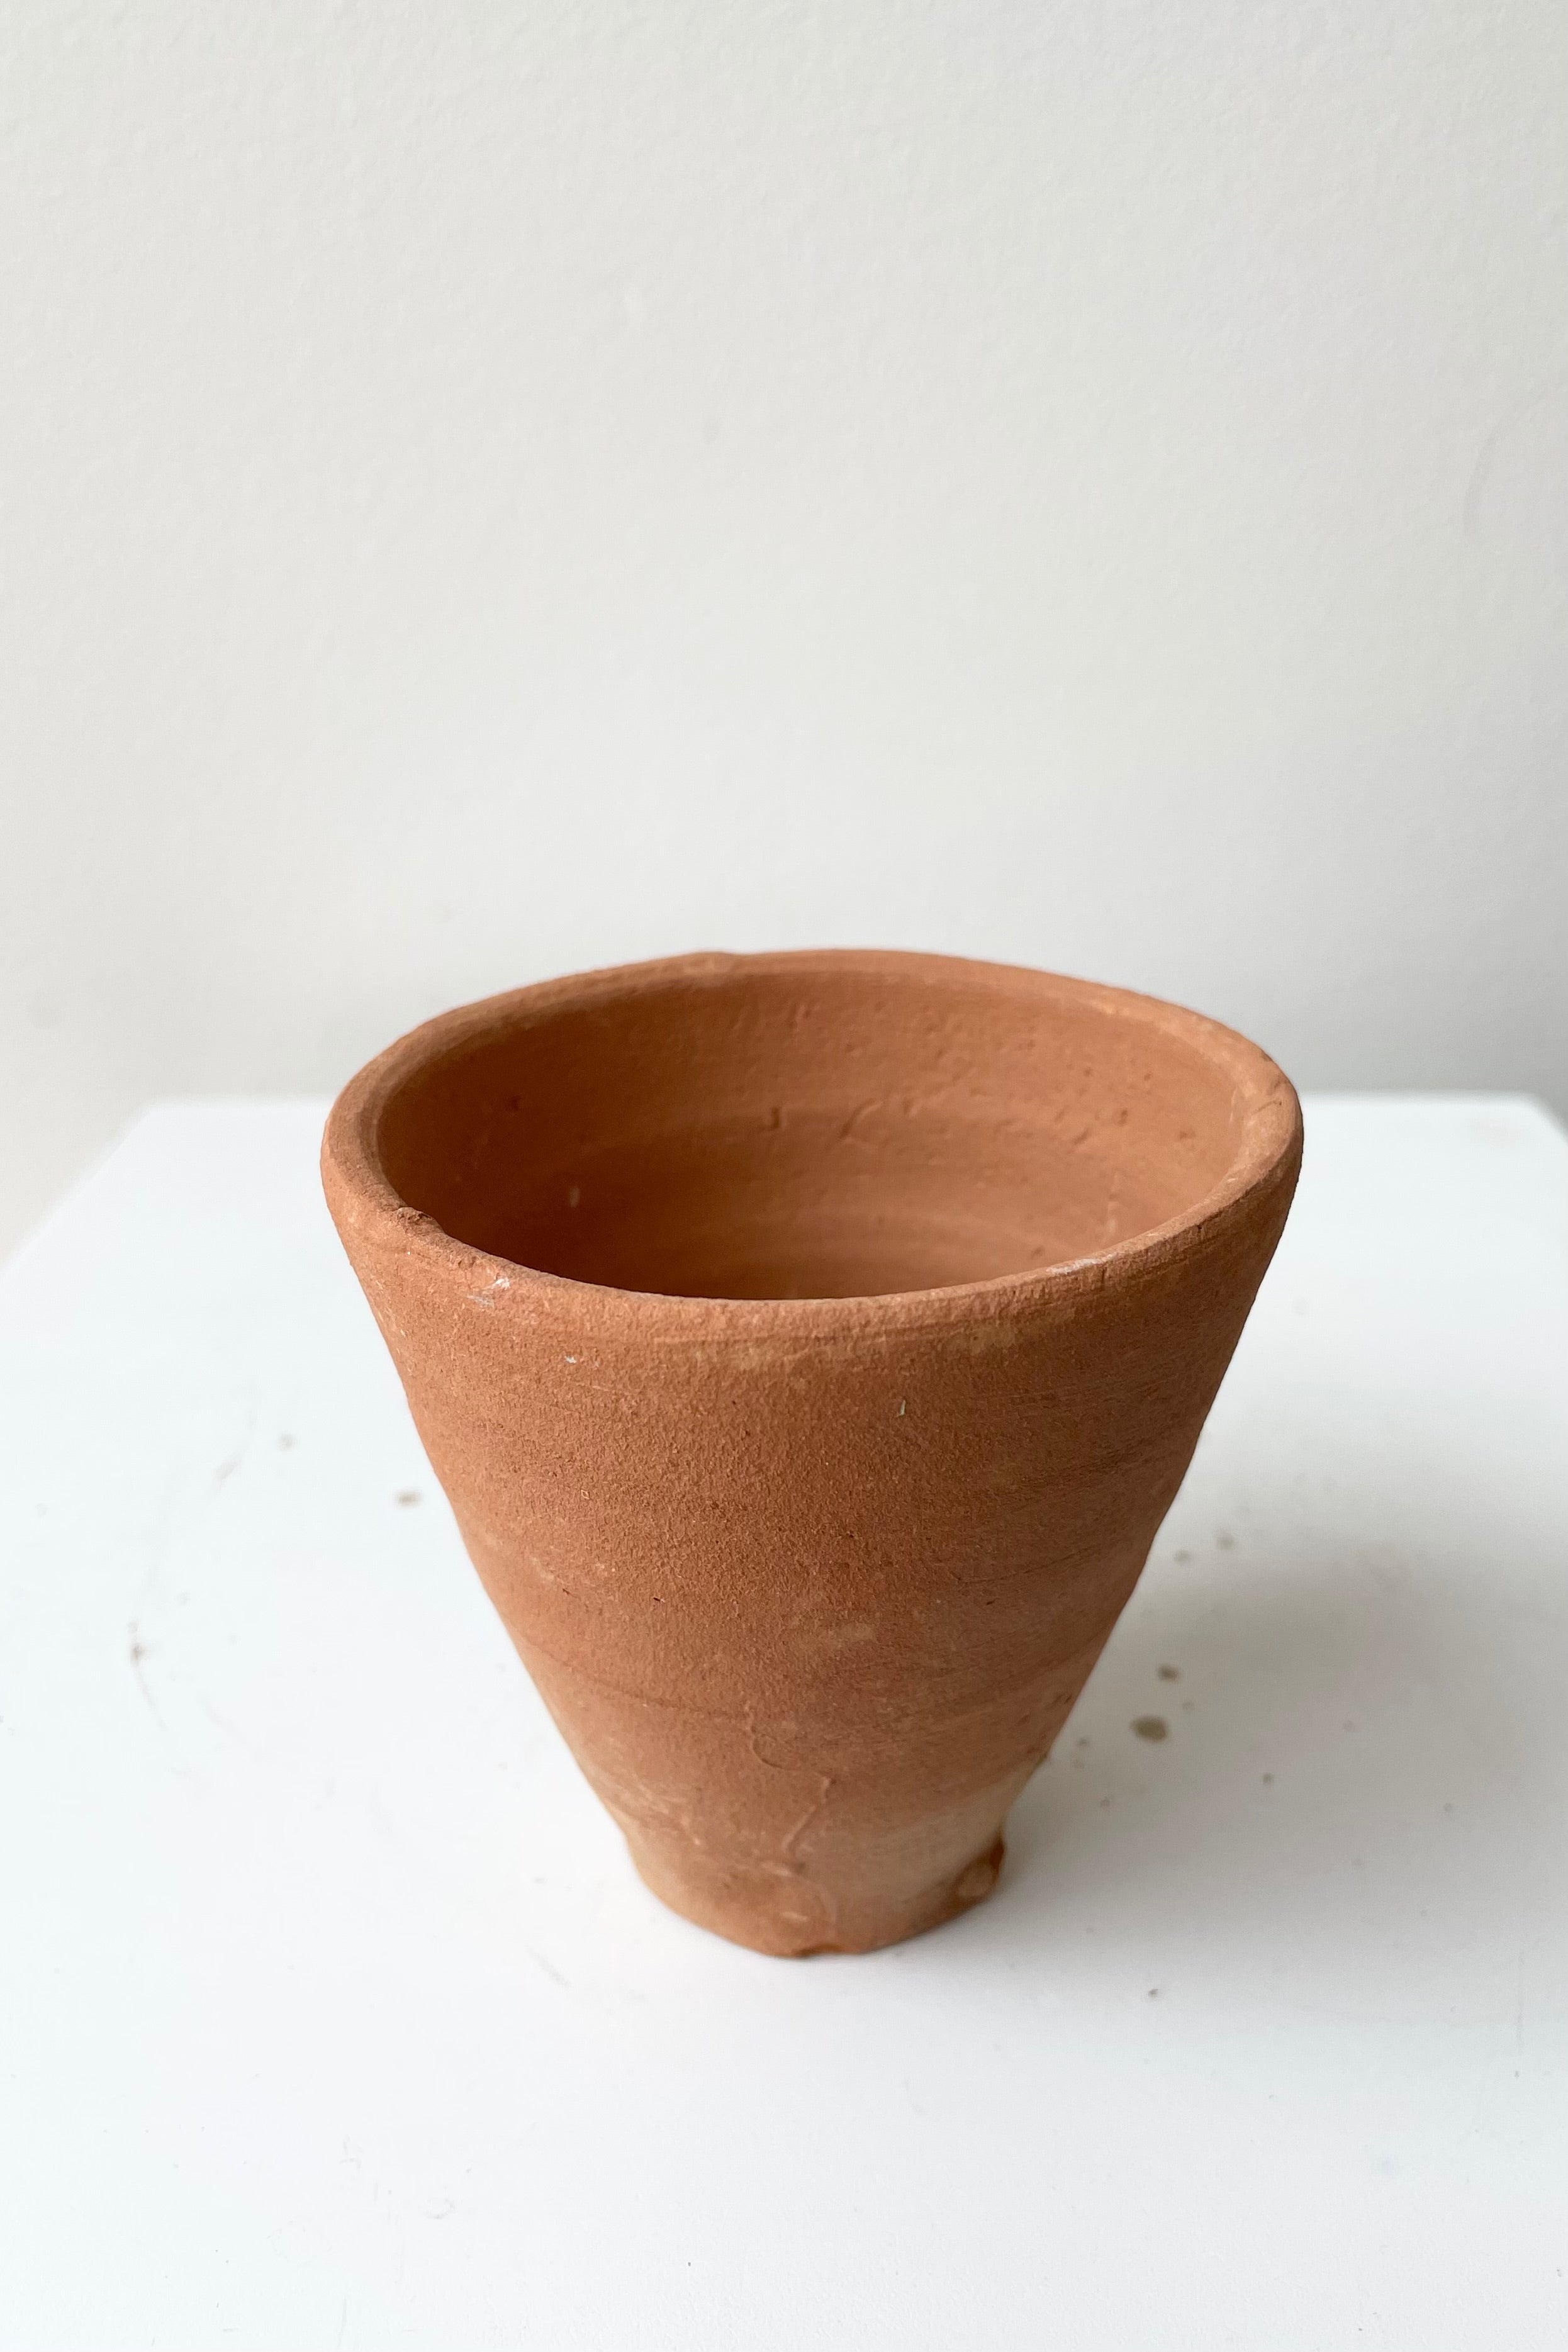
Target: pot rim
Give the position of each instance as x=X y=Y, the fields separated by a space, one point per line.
x=1267 y=1153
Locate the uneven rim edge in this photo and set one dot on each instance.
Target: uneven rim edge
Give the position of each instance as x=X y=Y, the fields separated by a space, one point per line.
x=1267 y=1153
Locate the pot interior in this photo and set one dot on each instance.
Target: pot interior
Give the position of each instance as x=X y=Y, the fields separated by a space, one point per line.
x=821 y=1131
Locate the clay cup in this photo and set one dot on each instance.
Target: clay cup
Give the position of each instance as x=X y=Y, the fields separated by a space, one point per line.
x=810 y=1346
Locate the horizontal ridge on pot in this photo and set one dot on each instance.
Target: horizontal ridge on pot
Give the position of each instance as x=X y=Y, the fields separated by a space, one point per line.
x=810 y=1346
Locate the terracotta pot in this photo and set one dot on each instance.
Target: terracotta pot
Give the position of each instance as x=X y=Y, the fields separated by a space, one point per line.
x=810 y=1345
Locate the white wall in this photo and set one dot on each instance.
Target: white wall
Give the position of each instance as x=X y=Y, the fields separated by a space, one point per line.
x=496 y=487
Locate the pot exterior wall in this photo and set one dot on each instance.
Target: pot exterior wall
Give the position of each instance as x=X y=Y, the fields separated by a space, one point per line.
x=810 y=1609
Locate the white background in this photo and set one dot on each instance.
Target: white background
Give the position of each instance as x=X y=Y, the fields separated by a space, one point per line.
x=494 y=488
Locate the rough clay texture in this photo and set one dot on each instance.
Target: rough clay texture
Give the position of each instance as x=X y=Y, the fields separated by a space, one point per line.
x=810 y=1346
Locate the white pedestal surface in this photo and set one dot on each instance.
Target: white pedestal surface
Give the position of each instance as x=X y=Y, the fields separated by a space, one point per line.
x=332 y=2018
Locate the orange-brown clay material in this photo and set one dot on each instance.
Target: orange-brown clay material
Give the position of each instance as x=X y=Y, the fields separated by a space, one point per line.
x=810 y=1346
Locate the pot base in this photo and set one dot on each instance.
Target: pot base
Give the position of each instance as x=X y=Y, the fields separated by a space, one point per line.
x=790 y=1918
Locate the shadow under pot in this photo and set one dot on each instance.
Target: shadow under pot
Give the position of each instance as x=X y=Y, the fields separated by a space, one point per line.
x=810 y=1346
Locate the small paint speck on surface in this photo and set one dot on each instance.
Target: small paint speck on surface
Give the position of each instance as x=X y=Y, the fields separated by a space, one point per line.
x=1170 y=1673
x=408 y=1497
x=1150 y=1727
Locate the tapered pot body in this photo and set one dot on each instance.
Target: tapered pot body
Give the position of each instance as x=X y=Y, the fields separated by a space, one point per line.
x=810 y=1347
